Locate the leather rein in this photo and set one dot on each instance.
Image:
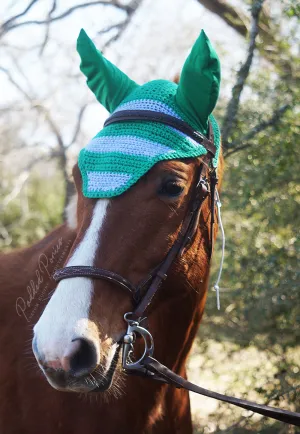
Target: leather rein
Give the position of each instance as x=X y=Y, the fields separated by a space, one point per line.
x=145 y=291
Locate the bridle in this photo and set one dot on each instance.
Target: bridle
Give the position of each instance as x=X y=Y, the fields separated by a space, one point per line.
x=145 y=291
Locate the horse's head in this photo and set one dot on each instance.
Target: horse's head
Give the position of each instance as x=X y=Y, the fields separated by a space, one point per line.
x=135 y=181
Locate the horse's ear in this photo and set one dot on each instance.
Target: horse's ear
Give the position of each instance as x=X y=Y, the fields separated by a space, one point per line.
x=199 y=84
x=106 y=81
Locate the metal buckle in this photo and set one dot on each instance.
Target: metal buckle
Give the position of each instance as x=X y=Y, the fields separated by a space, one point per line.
x=133 y=329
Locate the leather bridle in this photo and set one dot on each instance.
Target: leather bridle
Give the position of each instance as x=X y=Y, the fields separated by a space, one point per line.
x=144 y=292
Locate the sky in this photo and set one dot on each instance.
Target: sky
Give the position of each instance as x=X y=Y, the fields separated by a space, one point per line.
x=154 y=45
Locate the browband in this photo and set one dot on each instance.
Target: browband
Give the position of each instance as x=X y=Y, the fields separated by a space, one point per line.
x=171 y=121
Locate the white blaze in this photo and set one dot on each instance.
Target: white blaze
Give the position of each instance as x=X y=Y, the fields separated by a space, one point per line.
x=71 y=211
x=66 y=315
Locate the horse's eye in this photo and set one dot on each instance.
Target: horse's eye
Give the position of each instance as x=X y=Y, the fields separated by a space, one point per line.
x=171 y=189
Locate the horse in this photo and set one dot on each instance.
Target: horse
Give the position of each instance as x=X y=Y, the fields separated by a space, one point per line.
x=79 y=321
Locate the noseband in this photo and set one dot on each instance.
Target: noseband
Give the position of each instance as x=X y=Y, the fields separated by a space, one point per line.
x=145 y=291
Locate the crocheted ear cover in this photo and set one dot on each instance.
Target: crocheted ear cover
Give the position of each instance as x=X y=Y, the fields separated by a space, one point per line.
x=123 y=152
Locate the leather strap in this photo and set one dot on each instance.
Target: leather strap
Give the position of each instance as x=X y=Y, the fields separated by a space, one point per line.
x=213 y=185
x=95 y=273
x=162 y=373
x=143 y=293
x=186 y=233
x=151 y=367
x=171 y=121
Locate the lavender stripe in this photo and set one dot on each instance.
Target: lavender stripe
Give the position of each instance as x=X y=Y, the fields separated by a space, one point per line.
x=148 y=104
x=105 y=181
x=129 y=145
x=192 y=141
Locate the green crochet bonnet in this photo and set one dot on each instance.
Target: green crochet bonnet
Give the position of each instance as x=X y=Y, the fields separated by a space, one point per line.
x=121 y=153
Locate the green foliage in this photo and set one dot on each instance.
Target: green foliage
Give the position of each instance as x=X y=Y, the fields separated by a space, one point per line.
x=260 y=305
x=36 y=211
x=292 y=8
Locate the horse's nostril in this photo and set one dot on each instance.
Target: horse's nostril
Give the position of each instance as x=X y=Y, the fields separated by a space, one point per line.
x=84 y=359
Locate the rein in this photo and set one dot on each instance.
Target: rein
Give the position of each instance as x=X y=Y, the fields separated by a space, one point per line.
x=145 y=291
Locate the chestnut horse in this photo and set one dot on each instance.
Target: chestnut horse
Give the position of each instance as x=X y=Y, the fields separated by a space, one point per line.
x=137 y=187
x=128 y=234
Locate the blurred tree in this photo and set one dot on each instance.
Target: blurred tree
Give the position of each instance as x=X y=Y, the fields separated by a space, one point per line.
x=35 y=210
x=272 y=45
x=261 y=196
x=32 y=100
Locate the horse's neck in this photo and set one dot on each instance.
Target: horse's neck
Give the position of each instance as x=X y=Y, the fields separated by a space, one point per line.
x=26 y=274
x=177 y=318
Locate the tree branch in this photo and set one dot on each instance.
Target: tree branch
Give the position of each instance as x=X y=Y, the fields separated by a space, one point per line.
x=11 y=24
x=272 y=43
x=120 y=27
x=232 y=16
x=78 y=125
x=15 y=83
x=20 y=182
x=62 y=157
x=47 y=32
x=242 y=76
x=274 y=119
x=15 y=17
x=36 y=106
x=237 y=149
